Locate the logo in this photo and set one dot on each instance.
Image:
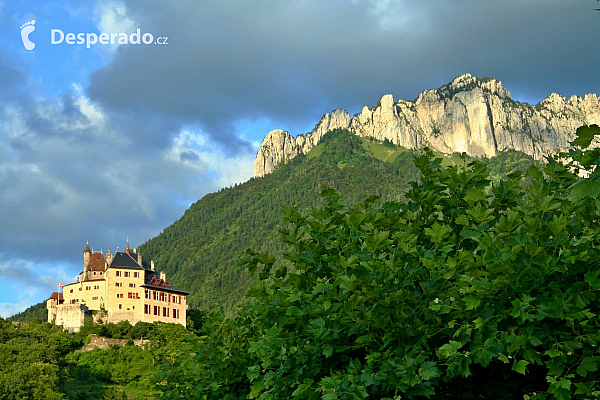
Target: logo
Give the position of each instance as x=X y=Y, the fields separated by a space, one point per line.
x=26 y=29
x=57 y=36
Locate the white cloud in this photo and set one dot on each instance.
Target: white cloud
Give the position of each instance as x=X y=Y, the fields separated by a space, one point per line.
x=112 y=17
x=27 y=282
x=195 y=150
x=9 y=309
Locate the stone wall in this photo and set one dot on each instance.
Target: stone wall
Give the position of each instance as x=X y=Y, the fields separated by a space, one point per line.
x=71 y=316
x=99 y=342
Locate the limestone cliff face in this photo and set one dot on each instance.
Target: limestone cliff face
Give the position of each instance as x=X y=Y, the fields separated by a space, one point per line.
x=475 y=116
x=279 y=145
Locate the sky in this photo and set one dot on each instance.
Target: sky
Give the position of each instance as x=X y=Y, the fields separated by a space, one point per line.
x=101 y=142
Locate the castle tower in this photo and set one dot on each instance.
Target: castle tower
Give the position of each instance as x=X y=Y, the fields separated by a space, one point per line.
x=109 y=257
x=127 y=248
x=86 y=261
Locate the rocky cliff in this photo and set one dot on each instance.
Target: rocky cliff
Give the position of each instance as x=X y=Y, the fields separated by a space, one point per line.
x=471 y=115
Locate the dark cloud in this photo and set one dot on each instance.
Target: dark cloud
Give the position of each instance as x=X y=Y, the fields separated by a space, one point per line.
x=293 y=61
x=69 y=171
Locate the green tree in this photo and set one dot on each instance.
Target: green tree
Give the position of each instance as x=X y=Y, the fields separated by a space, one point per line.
x=465 y=291
x=29 y=362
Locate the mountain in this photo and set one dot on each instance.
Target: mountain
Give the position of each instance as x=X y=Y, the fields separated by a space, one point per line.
x=476 y=116
x=199 y=252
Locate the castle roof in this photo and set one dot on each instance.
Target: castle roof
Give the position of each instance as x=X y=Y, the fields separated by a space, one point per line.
x=124 y=260
x=164 y=286
x=56 y=296
x=97 y=262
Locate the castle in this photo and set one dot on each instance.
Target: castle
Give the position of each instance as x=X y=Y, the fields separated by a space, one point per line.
x=117 y=287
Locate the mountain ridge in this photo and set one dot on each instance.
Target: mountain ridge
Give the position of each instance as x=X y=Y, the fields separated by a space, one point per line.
x=471 y=115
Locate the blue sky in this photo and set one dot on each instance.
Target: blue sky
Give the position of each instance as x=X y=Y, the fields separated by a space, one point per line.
x=112 y=141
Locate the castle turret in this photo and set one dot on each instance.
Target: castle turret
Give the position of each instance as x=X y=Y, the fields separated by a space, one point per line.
x=86 y=260
x=109 y=257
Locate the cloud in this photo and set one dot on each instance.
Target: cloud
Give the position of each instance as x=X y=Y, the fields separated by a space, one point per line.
x=293 y=61
x=112 y=17
x=27 y=282
x=72 y=171
x=8 y=309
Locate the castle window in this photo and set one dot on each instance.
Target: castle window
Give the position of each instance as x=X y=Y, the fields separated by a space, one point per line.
x=87 y=288
x=165 y=312
x=80 y=289
x=118 y=284
x=71 y=291
x=118 y=273
x=119 y=295
x=146 y=308
x=120 y=306
x=132 y=285
x=136 y=274
x=175 y=313
x=156 y=310
x=95 y=298
x=126 y=274
x=147 y=293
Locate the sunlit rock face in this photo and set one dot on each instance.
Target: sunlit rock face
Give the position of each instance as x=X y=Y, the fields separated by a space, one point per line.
x=471 y=115
x=279 y=145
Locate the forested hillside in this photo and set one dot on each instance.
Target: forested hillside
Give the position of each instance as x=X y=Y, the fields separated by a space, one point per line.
x=199 y=251
x=36 y=313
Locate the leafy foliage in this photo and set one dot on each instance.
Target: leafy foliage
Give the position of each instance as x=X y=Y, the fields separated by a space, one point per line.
x=121 y=371
x=462 y=284
x=28 y=366
x=41 y=362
